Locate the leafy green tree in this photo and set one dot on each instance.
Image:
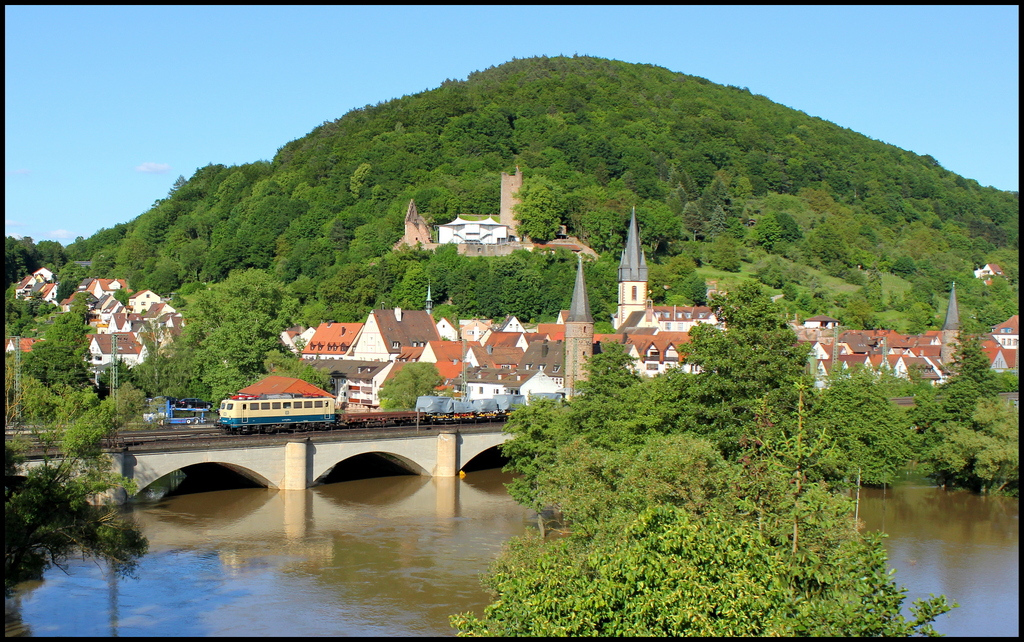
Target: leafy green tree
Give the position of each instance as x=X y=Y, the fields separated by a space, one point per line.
x=412 y=381
x=540 y=210
x=695 y=289
x=48 y=516
x=768 y=232
x=286 y=364
x=662 y=543
x=724 y=254
x=973 y=378
x=233 y=325
x=756 y=356
x=872 y=434
x=59 y=359
x=981 y=454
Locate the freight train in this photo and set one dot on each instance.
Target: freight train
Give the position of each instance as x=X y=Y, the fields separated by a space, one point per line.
x=292 y=412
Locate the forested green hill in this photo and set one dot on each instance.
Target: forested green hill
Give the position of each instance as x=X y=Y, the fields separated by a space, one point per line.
x=723 y=181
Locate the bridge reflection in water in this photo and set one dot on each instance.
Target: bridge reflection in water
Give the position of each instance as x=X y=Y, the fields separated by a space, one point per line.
x=304 y=461
x=385 y=556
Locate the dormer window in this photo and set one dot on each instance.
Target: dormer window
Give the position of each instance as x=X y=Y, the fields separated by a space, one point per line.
x=394 y=344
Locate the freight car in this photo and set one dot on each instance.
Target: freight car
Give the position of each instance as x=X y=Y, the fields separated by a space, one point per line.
x=291 y=412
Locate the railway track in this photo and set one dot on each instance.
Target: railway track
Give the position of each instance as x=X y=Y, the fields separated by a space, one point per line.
x=204 y=435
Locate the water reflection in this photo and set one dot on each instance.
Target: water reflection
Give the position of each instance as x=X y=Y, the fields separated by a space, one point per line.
x=396 y=556
x=385 y=556
x=962 y=545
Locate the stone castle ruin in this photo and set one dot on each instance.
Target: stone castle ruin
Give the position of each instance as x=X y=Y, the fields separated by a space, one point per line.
x=483 y=235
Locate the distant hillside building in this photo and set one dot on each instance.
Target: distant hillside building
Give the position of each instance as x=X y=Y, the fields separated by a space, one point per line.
x=484 y=234
x=416 y=228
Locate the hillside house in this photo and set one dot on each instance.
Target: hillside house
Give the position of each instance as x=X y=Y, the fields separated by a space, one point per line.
x=24 y=344
x=356 y=383
x=140 y=302
x=447 y=330
x=1007 y=333
x=387 y=332
x=821 y=321
x=331 y=340
x=987 y=270
x=474 y=329
x=130 y=350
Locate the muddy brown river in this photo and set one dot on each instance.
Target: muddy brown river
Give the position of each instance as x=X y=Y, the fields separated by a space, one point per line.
x=396 y=556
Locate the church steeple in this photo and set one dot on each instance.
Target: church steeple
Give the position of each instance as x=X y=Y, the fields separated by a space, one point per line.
x=430 y=302
x=952 y=312
x=950 y=328
x=632 y=276
x=579 y=309
x=633 y=266
x=579 y=334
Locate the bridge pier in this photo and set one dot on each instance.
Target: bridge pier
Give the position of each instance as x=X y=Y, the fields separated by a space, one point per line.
x=296 y=466
x=447 y=454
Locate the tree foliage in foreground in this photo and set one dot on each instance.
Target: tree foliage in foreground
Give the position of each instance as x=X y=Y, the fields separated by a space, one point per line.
x=48 y=511
x=702 y=504
x=412 y=381
x=970 y=436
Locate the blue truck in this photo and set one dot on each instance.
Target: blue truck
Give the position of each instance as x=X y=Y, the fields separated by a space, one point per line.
x=168 y=411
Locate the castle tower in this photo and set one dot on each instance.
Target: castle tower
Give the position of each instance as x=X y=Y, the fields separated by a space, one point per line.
x=950 y=328
x=632 y=276
x=579 y=334
x=510 y=185
x=416 y=228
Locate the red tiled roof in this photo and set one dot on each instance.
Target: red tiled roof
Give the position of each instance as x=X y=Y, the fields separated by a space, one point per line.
x=503 y=339
x=447 y=351
x=332 y=339
x=278 y=384
x=1013 y=323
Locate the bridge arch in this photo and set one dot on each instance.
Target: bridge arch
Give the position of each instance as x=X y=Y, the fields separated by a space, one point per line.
x=337 y=468
x=148 y=468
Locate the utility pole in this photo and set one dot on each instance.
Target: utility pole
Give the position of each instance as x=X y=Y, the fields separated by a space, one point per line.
x=113 y=366
x=17 y=377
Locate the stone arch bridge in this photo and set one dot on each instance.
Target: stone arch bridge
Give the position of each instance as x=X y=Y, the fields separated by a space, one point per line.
x=298 y=463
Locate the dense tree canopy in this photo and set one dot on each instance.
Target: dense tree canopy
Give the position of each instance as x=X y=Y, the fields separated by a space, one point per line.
x=704 y=164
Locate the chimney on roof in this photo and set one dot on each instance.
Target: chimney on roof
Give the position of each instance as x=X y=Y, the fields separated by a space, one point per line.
x=398 y=314
x=329 y=323
x=490 y=349
x=544 y=349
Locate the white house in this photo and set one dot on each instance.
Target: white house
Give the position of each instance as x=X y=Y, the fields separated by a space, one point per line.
x=140 y=302
x=468 y=228
x=387 y=333
x=989 y=269
x=821 y=321
x=129 y=350
x=447 y=331
x=1007 y=333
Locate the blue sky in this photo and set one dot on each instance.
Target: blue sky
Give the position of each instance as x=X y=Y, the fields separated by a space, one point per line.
x=106 y=106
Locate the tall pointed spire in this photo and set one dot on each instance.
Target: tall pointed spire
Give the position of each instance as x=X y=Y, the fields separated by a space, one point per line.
x=430 y=302
x=579 y=310
x=633 y=266
x=952 y=312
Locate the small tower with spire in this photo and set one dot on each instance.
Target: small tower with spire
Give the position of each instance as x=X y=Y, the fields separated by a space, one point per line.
x=632 y=276
x=430 y=302
x=579 y=334
x=950 y=328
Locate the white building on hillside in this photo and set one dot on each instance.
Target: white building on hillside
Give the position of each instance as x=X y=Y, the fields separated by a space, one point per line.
x=467 y=228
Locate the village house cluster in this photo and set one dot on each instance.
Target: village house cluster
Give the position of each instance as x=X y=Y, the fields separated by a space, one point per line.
x=122 y=330
x=488 y=359
x=483 y=359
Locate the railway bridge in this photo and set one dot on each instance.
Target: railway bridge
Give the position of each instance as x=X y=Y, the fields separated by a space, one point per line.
x=297 y=462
